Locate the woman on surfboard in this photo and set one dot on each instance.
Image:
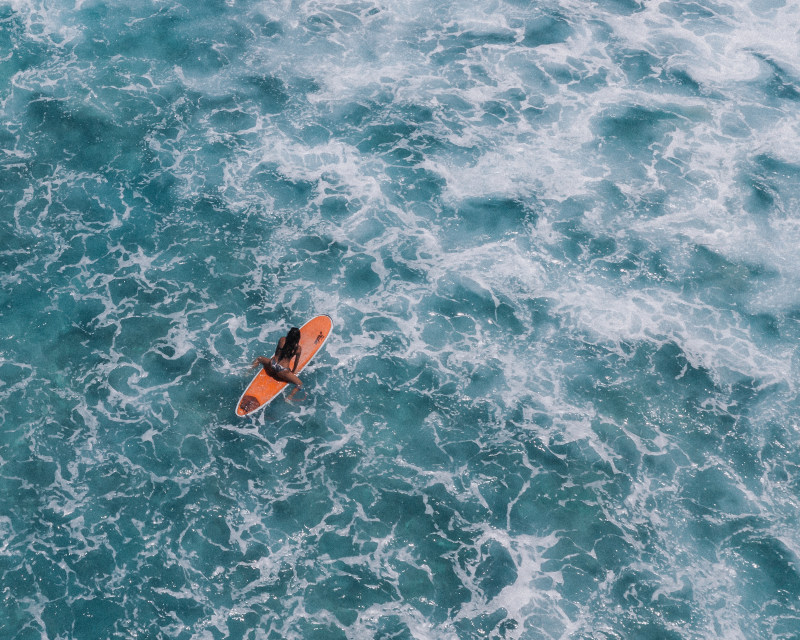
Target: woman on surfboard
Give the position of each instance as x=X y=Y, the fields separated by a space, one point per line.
x=279 y=365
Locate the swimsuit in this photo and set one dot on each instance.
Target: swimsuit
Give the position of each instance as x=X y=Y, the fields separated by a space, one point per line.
x=274 y=367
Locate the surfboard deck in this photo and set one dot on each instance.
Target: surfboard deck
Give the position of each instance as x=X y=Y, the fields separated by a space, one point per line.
x=263 y=389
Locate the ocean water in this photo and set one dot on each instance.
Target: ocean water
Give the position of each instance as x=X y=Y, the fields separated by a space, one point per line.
x=559 y=243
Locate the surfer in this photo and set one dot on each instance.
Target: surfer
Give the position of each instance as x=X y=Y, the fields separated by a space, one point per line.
x=279 y=365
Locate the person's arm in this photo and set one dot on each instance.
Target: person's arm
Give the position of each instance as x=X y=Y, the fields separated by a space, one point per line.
x=297 y=358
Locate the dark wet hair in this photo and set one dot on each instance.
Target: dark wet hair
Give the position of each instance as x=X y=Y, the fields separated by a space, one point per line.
x=290 y=344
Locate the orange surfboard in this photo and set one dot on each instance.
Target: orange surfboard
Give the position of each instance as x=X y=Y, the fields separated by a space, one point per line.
x=264 y=388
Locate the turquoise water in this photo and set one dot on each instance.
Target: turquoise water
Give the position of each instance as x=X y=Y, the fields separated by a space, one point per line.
x=559 y=243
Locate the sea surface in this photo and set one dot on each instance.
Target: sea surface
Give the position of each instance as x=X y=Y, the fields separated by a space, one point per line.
x=560 y=244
